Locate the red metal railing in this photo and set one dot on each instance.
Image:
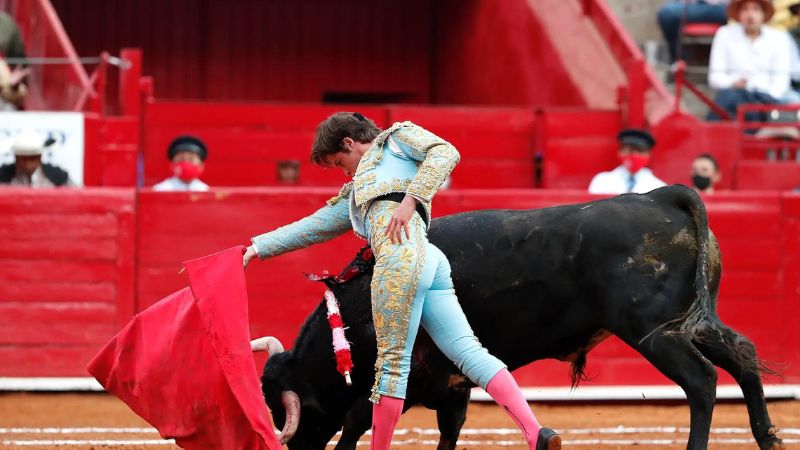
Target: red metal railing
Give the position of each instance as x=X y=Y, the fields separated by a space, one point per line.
x=772 y=140
x=51 y=86
x=681 y=82
x=640 y=107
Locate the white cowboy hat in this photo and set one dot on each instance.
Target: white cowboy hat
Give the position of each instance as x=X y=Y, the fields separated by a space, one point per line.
x=29 y=143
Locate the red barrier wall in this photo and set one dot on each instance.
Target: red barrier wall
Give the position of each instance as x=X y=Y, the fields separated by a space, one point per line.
x=247 y=141
x=66 y=277
x=758 y=235
x=755 y=297
x=575 y=145
x=111 y=150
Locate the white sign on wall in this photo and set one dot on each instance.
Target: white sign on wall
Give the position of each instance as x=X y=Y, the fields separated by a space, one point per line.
x=66 y=128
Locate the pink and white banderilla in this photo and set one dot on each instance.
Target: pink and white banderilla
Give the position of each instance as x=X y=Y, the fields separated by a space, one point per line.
x=341 y=348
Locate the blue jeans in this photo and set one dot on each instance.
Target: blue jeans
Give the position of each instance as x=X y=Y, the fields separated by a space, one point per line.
x=671 y=15
x=730 y=99
x=411 y=286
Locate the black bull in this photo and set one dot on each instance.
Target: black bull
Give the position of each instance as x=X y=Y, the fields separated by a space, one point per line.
x=548 y=283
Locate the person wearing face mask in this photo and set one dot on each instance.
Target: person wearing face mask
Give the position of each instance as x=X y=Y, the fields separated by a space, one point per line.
x=705 y=173
x=631 y=175
x=187 y=156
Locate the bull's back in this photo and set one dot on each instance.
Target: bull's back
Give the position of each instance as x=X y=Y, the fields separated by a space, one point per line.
x=541 y=283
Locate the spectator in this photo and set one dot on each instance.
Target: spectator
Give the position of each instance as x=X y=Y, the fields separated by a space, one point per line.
x=12 y=87
x=705 y=173
x=288 y=172
x=676 y=13
x=794 y=48
x=749 y=61
x=11 y=44
x=187 y=156
x=631 y=175
x=28 y=168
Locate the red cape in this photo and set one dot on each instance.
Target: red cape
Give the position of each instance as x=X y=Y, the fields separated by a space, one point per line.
x=185 y=364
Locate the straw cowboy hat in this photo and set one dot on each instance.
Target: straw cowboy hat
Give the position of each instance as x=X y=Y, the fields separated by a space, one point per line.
x=766 y=6
x=30 y=143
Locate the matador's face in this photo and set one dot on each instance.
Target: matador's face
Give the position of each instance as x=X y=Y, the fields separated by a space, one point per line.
x=349 y=157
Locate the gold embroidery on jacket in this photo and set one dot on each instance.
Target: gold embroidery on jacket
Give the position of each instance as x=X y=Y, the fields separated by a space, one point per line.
x=343 y=193
x=438 y=158
x=372 y=157
x=434 y=171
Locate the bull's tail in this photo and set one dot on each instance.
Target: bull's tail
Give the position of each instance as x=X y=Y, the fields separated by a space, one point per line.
x=701 y=316
x=700 y=322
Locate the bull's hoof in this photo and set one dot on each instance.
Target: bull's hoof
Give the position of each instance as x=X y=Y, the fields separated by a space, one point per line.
x=548 y=440
x=775 y=445
x=773 y=442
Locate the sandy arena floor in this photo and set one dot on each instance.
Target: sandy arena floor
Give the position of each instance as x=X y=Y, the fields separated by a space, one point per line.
x=100 y=421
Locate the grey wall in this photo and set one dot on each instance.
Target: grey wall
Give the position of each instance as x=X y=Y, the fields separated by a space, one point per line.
x=639 y=17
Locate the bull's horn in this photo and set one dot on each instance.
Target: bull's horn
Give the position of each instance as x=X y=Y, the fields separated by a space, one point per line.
x=267 y=344
x=291 y=404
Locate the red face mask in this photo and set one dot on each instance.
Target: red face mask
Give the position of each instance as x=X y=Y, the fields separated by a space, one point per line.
x=635 y=161
x=186 y=171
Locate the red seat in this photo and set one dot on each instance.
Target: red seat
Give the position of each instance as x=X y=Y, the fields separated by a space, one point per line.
x=700 y=29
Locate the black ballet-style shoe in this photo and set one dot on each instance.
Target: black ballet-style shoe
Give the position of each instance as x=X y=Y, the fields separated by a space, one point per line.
x=548 y=440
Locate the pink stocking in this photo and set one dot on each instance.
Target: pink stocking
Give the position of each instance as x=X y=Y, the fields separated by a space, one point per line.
x=504 y=390
x=385 y=415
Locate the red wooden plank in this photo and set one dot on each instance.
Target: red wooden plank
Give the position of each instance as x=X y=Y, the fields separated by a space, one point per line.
x=767 y=175
x=466 y=119
x=760 y=224
x=753 y=314
x=571 y=163
x=493 y=174
x=58 y=248
x=46 y=359
x=126 y=268
x=745 y=284
x=561 y=123
x=69 y=226
x=64 y=201
x=45 y=270
x=47 y=290
x=502 y=133
x=791 y=204
x=738 y=253
x=48 y=323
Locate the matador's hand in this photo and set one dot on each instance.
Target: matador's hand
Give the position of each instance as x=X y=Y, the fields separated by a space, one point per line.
x=249 y=254
x=400 y=220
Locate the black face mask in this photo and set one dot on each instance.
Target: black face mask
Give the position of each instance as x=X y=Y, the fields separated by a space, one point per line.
x=701 y=182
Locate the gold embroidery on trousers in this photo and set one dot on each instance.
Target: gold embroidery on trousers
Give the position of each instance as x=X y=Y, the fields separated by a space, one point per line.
x=398 y=268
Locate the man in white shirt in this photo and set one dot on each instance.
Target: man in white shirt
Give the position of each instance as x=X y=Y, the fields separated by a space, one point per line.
x=631 y=175
x=187 y=156
x=750 y=62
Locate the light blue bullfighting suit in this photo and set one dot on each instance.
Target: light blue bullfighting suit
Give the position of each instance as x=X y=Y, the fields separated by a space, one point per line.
x=411 y=282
